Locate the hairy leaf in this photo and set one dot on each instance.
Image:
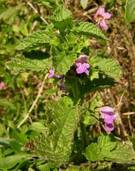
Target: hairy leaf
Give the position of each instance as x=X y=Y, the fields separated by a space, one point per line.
x=38 y=39
x=108 y=66
x=89 y=28
x=57 y=145
x=22 y=64
x=112 y=150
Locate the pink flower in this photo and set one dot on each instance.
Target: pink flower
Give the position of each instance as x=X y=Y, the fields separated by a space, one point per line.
x=107 y=113
x=101 y=17
x=2 y=85
x=51 y=73
x=81 y=65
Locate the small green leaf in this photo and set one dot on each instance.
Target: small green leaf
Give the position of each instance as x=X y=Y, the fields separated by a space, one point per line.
x=37 y=127
x=89 y=28
x=44 y=167
x=84 y=3
x=130 y=11
x=11 y=161
x=61 y=14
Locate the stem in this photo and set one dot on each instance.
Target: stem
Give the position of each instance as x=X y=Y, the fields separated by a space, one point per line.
x=34 y=102
x=35 y=10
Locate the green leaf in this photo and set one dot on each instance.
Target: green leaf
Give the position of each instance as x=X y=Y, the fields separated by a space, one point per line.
x=61 y=14
x=90 y=29
x=111 y=150
x=7 y=104
x=98 y=151
x=62 y=61
x=109 y=67
x=44 y=167
x=57 y=145
x=37 y=127
x=130 y=11
x=38 y=39
x=62 y=18
x=124 y=153
x=10 y=12
x=11 y=161
x=84 y=3
x=91 y=116
x=22 y=64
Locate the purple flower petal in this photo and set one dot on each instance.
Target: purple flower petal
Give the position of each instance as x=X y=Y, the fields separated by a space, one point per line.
x=106 y=109
x=107 y=113
x=51 y=73
x=100 y=11
x=103 y=25
x=101 y=17
x=107 y=15
x=109 y=128
x=81 y=65
x=82 y=68
x=108 y=118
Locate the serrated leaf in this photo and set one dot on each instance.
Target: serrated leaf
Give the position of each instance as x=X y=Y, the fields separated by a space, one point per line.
x=22 y=64
x=124 y=153
x=108 y=66
x=98 y=151
x=58 y=143
x=89 y=28
x=111 y=150
x=38 y=38
x=130 y=11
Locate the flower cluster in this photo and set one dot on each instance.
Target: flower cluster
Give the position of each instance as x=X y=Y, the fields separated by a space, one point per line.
x=82 y=65
x=108 y=115
x=101 y=18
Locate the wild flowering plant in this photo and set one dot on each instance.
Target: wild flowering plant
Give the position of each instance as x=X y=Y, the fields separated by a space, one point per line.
x=70 y=130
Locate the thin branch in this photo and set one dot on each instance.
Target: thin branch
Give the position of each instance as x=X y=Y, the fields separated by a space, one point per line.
x=36 y=11
x=34 y=102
